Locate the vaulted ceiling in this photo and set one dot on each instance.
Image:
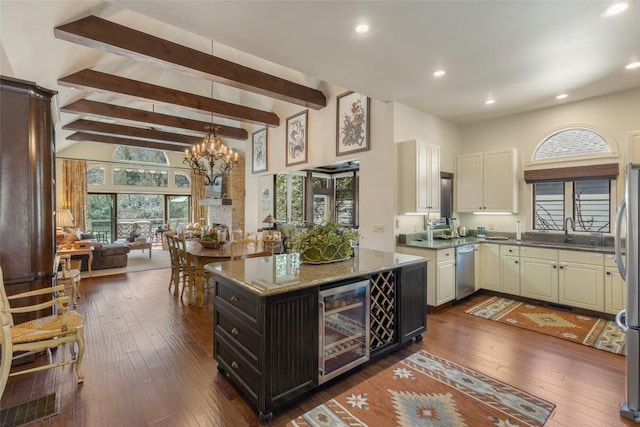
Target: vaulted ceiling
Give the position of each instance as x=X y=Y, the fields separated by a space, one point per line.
x=156 y=73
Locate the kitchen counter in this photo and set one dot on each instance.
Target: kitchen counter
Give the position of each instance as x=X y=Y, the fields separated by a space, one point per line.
x=284 y=273
x=444 y=244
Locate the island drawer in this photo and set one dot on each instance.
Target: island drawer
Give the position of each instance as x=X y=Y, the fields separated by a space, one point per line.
x=241 y=335
x=237 y=368
x=234 y=297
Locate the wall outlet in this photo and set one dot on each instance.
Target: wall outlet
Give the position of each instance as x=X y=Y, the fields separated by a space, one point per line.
x=378 y=228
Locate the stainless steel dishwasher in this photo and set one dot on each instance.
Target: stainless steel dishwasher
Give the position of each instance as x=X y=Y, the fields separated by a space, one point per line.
x=465 y=271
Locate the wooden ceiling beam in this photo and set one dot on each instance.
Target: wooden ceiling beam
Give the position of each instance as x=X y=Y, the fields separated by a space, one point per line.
x=106 y=139
x=91 y=126
x=102 y=109
x=101 y=34
x=102 y=82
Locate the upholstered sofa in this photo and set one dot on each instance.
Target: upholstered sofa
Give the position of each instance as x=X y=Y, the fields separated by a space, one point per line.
x=108 y=255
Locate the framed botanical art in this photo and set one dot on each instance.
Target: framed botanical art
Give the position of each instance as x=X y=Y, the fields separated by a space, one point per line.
x=259 y=149
x=352 y=133
x=297 y=138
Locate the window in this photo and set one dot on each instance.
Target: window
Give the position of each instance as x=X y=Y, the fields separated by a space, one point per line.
x=140 y=177
x=140 y=155
x=181 y=180
x=289 y=198
x=345 y=194
x=571 y=142
x=95 y=176
x=591 y=208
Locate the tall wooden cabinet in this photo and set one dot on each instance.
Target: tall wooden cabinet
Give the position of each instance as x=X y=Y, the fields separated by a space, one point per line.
x=27 y=196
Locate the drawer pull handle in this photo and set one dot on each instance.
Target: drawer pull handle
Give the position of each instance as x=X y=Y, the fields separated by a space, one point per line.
x=516 y=262
x=608 y=273
x=235 y=298
x=235 y=331
x=234 y=365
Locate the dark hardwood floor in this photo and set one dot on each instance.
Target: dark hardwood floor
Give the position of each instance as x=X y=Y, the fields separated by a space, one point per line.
x=149 y=362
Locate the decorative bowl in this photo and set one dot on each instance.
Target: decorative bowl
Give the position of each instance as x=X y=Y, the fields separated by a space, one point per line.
x=212 y=244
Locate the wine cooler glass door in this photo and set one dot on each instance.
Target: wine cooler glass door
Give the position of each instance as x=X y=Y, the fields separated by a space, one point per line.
x=344 y=324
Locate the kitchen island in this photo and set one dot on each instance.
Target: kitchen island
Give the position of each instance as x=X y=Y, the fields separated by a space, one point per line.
x=270 y=319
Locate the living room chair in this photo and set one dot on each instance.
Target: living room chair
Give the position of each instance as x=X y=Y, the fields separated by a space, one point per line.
x=69 y=277
x=44 y=333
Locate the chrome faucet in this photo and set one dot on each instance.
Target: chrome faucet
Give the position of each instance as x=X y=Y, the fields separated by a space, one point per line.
x=566 y=228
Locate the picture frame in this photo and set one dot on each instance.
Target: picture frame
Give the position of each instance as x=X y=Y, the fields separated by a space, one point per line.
x=296 y=138
x=259 y=147
x=352 y=123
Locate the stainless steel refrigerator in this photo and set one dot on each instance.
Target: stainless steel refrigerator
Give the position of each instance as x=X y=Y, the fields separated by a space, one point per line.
x=629 y=318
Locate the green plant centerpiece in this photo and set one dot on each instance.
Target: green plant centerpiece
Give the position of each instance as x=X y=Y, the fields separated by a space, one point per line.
x=323 y=244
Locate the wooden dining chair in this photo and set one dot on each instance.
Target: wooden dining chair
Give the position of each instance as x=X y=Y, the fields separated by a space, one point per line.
x=40 y=334
x=187 y=266
x=176 y=264
x=246 y=248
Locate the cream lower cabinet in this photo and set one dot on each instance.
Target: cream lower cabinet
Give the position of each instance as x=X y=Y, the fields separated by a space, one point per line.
x=441 y=272
x=615 y=289
x=539 y=273
x=581 y=279
x=477 y=262
x=510 y=269
x=490 y=267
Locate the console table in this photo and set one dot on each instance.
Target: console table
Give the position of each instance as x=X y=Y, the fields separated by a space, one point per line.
x=77 y=251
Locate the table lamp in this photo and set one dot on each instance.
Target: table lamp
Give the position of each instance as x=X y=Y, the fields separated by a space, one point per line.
x=269 y=220
x=64 y=218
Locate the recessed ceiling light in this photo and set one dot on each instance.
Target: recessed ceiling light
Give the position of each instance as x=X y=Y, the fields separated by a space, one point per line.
x=490 y=101
x=615 y=8
x=362 y=28
x=633 y=65
x=562 y=96
x=439 y=73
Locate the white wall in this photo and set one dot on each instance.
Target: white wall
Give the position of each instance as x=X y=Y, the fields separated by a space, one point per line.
x=614 y=116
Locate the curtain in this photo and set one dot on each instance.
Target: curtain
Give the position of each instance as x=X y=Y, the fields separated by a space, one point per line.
x=197 y=194
x=74 y=176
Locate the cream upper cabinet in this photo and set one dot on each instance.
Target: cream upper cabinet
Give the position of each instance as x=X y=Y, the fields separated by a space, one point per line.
x=539 y=273
x=487 y=182
x=418 y=177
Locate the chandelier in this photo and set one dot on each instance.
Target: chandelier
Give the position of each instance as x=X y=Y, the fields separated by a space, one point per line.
x=203 y=156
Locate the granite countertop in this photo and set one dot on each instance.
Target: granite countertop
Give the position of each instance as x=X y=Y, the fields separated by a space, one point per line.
x=283 y=273
x=444 y=244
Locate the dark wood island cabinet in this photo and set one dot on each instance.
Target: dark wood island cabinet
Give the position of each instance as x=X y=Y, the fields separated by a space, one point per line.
x=268 y=319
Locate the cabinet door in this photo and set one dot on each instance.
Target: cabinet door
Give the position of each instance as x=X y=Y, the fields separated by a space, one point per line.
x=446 y=282
x=412 y=308
x=510 y=274
x=469 y=183
x=432 y=184
x=499 y=186
x=539 y=279
x=490 y=259
x=478 y=266
x=615 y=291
x=581 y=285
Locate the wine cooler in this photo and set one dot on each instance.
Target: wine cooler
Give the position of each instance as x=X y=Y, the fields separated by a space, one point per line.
x=344 y=328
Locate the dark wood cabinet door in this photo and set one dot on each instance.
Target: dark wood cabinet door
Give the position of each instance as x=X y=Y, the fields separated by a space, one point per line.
x=412 y=304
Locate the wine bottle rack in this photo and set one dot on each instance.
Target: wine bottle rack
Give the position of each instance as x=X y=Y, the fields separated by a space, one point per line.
x=383 y=316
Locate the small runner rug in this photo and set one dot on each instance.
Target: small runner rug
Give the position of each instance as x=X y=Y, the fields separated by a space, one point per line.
x=588 y=330
x=427 y=390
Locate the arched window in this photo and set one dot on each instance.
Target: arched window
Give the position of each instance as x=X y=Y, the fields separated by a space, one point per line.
x=181 y=180
x=571 y=142
x=140 y=155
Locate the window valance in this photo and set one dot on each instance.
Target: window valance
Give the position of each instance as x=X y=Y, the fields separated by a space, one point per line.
x=575 y=173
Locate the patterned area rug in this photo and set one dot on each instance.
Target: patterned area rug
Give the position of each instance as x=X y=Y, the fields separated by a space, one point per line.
x=592 y=331
x=426 y=390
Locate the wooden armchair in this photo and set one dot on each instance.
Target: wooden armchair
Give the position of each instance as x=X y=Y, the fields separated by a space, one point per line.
x=40 y=334
x=68 y=276
x=246 y=248
x=176 y=265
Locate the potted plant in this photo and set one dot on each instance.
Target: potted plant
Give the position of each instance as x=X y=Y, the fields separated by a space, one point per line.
x=133 y=235
x=323 y=244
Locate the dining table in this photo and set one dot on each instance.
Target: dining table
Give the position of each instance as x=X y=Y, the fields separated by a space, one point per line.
x=202 y=256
